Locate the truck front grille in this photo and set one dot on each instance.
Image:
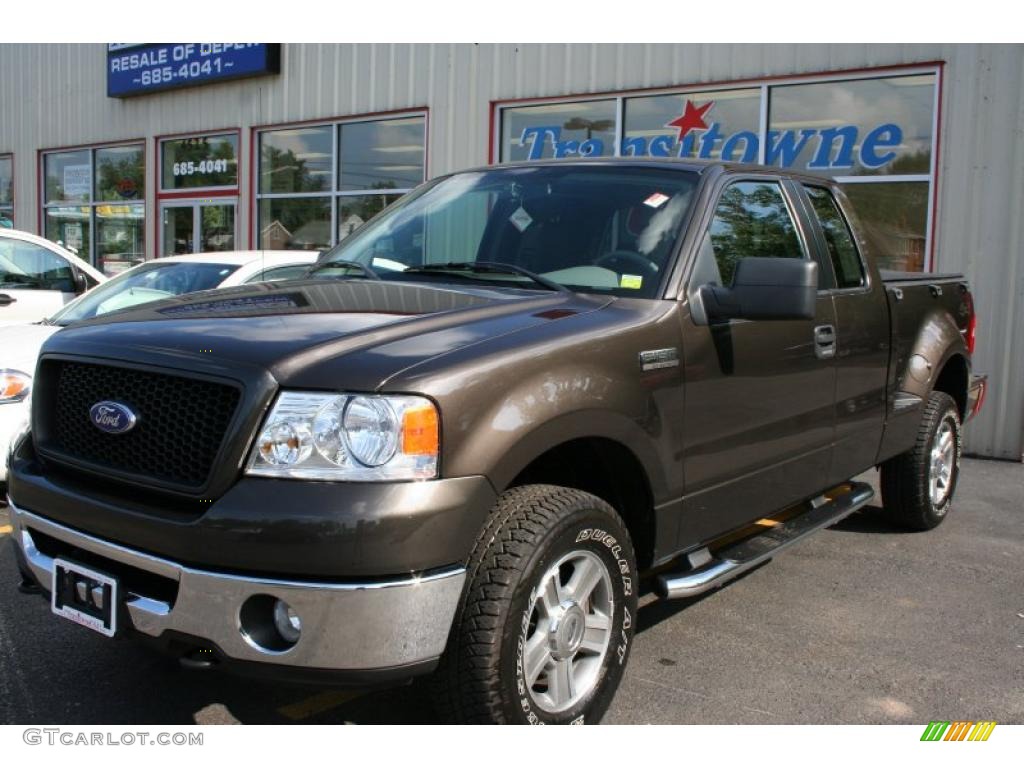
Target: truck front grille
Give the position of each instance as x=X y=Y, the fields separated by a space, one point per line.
x=181 y=421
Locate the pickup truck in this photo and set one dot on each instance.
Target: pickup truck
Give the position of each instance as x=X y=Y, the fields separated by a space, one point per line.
x=480 y=426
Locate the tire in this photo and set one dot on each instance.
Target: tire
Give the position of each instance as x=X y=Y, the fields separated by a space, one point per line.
x=913 y=493
x=521 y=649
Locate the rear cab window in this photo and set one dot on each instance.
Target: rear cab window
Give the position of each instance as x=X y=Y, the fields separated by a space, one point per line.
x=842 y=249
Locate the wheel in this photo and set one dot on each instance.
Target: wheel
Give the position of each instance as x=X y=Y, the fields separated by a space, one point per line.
x=918 y=486
x=546 y=620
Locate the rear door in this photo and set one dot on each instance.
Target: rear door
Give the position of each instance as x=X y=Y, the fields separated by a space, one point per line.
x=759 y=406
x=34 y=281
x=862 y=337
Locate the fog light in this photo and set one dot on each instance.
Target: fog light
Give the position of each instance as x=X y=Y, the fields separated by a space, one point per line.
x=287 y=622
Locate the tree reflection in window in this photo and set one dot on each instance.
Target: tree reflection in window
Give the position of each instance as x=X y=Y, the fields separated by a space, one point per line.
x=752 y=221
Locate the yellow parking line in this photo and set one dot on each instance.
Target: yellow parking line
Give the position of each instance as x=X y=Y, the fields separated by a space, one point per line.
x=314 y=705
x=5 y=529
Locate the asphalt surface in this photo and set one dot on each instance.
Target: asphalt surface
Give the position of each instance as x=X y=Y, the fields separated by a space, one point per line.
x=860 y=623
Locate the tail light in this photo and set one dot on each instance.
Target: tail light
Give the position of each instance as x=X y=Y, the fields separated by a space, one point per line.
x=972 y=323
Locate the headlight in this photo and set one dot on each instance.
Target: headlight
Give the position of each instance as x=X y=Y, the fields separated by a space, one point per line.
x=15 y=386
x=330 y=436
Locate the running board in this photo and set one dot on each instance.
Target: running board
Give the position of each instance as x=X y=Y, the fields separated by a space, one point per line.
x=713 y=570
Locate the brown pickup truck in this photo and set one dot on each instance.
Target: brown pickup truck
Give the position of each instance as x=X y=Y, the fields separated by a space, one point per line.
x=461 y=445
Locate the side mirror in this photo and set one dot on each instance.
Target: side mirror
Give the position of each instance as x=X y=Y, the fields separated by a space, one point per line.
x=765 y=289
x=81 y=284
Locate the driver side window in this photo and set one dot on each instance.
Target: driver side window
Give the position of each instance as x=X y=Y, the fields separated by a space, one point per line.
x=29 y=266
x=752 y=220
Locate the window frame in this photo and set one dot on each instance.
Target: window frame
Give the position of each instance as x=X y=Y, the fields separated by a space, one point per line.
x=333 y=194
x=935 y=68
x=13 y=204
x=92 y=204
x=819 y=234
x=793 y=207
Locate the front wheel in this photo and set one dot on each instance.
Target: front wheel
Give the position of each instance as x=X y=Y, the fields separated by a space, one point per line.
x=546 y=621
x=918 y=486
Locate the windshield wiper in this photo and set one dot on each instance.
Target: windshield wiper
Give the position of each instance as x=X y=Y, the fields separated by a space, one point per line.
x=494 y=267
x=365 y=269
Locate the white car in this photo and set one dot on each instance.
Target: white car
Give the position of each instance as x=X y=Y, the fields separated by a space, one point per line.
x=149 y=281
x=38 y=277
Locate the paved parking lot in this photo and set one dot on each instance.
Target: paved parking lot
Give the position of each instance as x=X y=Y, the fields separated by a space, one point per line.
x=859 y=624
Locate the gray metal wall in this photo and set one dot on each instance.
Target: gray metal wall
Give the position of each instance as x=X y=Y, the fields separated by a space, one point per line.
x=54 y=96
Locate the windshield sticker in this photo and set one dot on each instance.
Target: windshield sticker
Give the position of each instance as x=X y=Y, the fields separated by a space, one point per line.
x=656 y=200
x=521 y=219
x=634 y=282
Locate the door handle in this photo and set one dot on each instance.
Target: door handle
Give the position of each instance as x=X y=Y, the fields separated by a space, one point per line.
x=6 y=300
x=825 y=342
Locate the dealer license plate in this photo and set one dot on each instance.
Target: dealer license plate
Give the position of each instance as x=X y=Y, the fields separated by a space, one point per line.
x=85 y=596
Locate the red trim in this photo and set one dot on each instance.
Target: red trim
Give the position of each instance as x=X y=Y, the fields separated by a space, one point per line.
x=39 y=193
x=343 y=118
x=495 y=104
x=333 y=121
x=14 y=205
x=41 y=183
x=252 y=241
x=936 y=146
x=198 y=195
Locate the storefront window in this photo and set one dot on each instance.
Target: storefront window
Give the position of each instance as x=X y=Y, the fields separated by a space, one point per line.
x=894 y=217
x=6 y=191
x=873 y=133
x=674 y=125
x=199 y=162
x=92 y=203
x=296 y=160
x=318 y=184
x=68 y=177
x=569 y=129
x=70 y=225
x=295 y=224
x=119 y=174
x=120 y=236
x=381 y=154
x=356 y=210
x=881 y=126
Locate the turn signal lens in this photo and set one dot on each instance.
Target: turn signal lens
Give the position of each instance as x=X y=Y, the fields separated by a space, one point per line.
x=15 y=386
x=420 y=432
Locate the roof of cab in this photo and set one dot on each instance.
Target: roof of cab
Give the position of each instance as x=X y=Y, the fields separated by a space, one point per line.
x=692 y=165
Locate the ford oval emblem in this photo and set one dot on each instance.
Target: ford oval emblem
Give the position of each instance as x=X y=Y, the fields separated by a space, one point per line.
x=112 y=417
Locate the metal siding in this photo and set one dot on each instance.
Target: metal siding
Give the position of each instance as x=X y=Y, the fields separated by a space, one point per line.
x=59 y=93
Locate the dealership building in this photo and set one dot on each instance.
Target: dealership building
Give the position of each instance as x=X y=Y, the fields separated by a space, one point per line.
x=129 y=152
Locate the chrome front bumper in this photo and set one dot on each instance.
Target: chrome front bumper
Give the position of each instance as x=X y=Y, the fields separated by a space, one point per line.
x=364 y=626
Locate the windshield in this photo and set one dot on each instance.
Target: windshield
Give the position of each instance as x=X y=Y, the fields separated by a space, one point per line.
x=147 y=282
x=589 y=228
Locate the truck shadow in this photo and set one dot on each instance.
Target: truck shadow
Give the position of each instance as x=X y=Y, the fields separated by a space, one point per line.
x=869 y=519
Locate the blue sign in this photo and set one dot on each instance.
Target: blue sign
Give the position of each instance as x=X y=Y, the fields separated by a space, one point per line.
x=833 y=148
x=137 y=68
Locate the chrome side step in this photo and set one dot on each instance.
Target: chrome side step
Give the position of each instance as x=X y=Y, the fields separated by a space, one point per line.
x=739 y=557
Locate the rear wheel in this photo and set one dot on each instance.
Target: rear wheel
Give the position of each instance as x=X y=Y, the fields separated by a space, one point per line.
x=918 y=486
x=546 y=620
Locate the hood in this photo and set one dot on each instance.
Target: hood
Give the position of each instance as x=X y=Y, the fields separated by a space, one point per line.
x=20 y=345
x=292 y=328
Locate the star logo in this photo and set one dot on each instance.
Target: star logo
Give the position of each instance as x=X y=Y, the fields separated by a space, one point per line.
x=692 y=118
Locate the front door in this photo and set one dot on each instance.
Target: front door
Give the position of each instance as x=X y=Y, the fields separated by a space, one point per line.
x=759 y=421
x=198 y=226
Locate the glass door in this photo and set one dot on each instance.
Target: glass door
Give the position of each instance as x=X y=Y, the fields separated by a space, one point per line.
x=178 y=227
x=198 y=226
